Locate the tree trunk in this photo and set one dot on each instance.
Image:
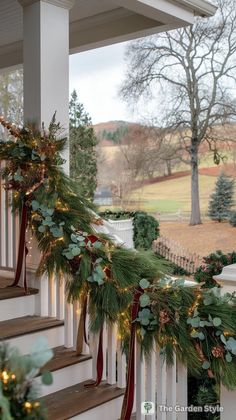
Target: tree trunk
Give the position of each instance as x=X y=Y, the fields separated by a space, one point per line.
x=169 y=167
x=195 y=200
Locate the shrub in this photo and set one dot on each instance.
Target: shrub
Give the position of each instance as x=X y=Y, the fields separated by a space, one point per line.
x=117 y=215
x=232 y=219
x=146 y=227
x=213 y=265
x=146 y=230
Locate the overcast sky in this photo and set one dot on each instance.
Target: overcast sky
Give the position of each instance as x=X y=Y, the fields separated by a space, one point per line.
x=96 y=76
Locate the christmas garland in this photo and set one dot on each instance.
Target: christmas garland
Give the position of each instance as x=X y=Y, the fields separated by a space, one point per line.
x=117 y=285
x=18 y=389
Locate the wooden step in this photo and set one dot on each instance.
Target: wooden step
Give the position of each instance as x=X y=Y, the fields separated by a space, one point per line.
x=67 y=369
x=23 y=332
x=14 y=303
x=26 y=325
x=75 y=400
x=64 y=357
x=15 y=292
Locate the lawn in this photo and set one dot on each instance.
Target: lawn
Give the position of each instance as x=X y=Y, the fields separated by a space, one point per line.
x=208 y=237
x=172 y=195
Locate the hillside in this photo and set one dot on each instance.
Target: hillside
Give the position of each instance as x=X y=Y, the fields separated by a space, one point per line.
x=125 y=147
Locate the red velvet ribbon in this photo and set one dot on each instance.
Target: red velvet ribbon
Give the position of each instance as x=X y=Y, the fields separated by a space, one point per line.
x=23 y=251
x=99 y=362
x=128 y=401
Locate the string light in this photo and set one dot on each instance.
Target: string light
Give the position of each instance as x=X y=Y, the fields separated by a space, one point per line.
x=5 y=377
x=28 y=406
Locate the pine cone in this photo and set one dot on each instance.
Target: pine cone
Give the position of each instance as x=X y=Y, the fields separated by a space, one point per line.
x=217 y=352
x=164 y=317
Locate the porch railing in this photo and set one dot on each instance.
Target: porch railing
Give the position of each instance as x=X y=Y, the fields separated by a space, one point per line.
x=155 y=381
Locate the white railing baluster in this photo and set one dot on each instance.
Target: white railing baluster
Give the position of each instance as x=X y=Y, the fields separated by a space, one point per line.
x=3 y=238
x=140 y=382
x=52 y=296
x=151 y=380
x=182 y=389
x=161 y=386
x=112 y=347
x=16 y=237
x=68 y=325
x=76 y=318
x=41 y=306
x=86 y=349
x=105 y=351
x=171 y=390
x=227 y=402
x=10 y=221
x=60 y=299
x=121 y=366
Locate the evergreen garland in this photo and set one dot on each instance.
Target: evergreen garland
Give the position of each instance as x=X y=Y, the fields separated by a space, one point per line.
x=198 y=326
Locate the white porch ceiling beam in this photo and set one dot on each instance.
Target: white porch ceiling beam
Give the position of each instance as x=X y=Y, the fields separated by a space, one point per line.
x=109 y=28
x=161 y=10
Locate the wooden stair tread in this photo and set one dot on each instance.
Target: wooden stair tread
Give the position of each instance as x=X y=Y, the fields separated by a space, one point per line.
x=64 y=357
x=15 y=292
x=77 y=399
x=25 y=325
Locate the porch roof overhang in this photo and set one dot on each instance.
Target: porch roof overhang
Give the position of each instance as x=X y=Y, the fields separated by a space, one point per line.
x=97 y=23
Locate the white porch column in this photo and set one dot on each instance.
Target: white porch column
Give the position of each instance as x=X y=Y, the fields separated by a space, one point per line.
x=46 y=62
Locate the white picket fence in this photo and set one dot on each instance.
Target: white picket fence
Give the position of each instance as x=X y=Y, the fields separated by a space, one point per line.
x=180 y=216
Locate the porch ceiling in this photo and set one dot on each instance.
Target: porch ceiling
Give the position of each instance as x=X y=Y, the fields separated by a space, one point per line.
x=96 y=23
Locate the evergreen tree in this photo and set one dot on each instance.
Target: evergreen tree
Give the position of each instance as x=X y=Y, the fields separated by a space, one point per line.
x=83 y=159
x=221 y=200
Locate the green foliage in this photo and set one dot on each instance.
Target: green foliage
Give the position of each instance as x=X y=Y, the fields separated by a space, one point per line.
x=146 y=227
x=146 y=230
x=189 y=322
x=232 y=219
x=198 y=326
x=221 y=200
x=18 y=391
x=83 y=159
x=202 y=391
x=117 y=135
x=213 y=265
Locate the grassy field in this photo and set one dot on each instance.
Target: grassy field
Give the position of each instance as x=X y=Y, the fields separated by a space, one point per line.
x=172 y=195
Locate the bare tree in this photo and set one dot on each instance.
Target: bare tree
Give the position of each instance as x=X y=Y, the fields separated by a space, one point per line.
x=195 y=68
